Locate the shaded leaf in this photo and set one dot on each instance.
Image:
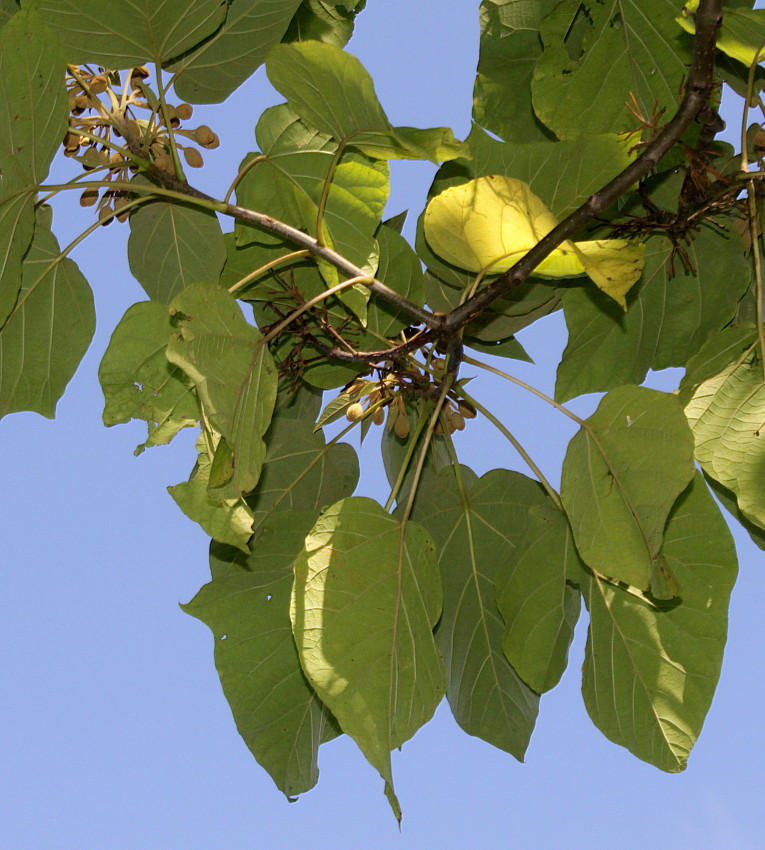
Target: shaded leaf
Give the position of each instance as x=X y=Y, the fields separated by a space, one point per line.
x=539 y=607
x=476 y=539
x=635 y=45
x=324 y=20
x=727 y=417
x=137 y=380
x=173 y=245
x=509 y=48
x=133 y=32
x=728 y=500
x=246 y=605
x=212 y=70
x=234 y=375
x=668 y=318
x=649 y=673
x=228 y=520
x=622 y=473
x=49 y=329
x=366 y=597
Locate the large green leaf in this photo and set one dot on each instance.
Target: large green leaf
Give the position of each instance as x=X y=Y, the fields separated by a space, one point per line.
x=137 y=380
x=301 y=472
x=635 y=47
x=367 y=595
x=540 y=608
x=727 y=416
x=49 y=329
x=332 y=91
x=225 y=520
x=126 y=33
x=668 y=318
x=173 y=245
x=324 y=20
x=476 y=539
x=234 y=375
x=246 y=605
x=34 y=107
x=649 y=673
x=623 y=472
x=715 y=356
x=218 y=66
x=510 y=47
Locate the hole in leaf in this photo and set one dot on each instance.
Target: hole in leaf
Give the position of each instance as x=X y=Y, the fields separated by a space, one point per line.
x=222 y=637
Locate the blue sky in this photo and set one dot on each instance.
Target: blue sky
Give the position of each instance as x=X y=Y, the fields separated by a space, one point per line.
x=114 y=731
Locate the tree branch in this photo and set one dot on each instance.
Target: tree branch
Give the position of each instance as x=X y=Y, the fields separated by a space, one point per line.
x=697 y=90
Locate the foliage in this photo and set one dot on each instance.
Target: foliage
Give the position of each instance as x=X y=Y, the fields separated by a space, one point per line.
x=338 y=614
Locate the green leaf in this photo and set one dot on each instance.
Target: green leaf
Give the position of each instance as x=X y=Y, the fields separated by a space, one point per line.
x=331 y=90
x=668 y=318
x=246 y=605
x=623 y=472
x=539 y=607
x=220 y=64
x=366 y=597
x=320 y=20
x=399 y=268
x=49 y=329
x=137 y=380
x=173 y=245
x=289 y=187
x=281 y=130
x=509 y=48
x=728 y=500
x=228 y=520
x=476 y=539
x=8 y=8
x=727 y=417
x=633 y=45
x=741 y=35
x=649 y=673
x=234 y=375
x=133 y=31
x=17 y=221
x=714 y=356
x=301 y=472
x=562 y=174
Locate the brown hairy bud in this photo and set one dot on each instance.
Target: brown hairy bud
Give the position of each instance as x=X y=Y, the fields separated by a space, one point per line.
x=467 y=410
x=401 y=425
x=142 y=71
x=378 y=416
x=205 y=137
x=184 y=111
x=193 y=157
x=99 y=84
x=457 y=420
x=88 y=197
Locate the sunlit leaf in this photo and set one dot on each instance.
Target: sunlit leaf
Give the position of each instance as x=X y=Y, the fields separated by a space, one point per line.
x=246 y=605
x=727 y=416
x=492 y=222
x=741 y=36
x=650 y=673
x=623 y=472
x=367 y=595
x=539 y=607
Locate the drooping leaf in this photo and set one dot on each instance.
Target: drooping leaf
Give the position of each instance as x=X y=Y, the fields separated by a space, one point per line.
x=246 y=605
x=668 y=318
x=48 y=330
x=324 y=20
x=539 y=607
x=227 y=520
x=137 y=380
x=217 y=66
x=301 y=472
x=476 y=539
x=332 y=91
x=623 y=472
x=34 y=105
x=650 y=673
x=509 y=49
x=133 y=31
x=173 y=245
x=492 y=222
x=727 y=417
x=634 y=45
x=234 y=375
x=366 y=597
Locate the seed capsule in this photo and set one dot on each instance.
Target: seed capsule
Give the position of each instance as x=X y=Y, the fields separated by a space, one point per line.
x=457 y=420
x=378 y=416
x=184 y=111
x=401 y=426
x=205 y=137
x=354 y=412
x=193 y=157
x=88 y=197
